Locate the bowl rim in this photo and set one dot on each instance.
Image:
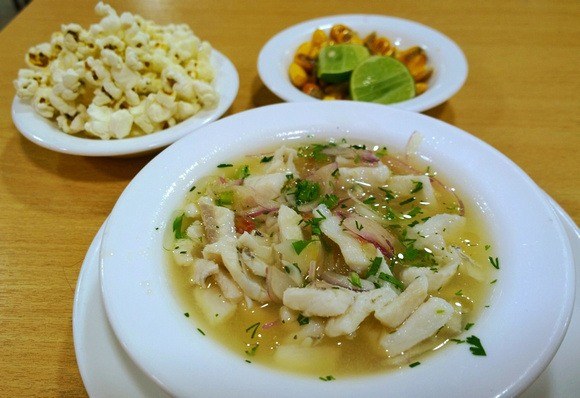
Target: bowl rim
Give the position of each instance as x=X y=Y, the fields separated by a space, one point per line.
x=168 y=177
x=450 y=71
x=46 y=133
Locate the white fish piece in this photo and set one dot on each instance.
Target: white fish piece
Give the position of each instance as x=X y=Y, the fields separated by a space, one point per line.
x=225 y=250
x=229 y=288
x=258 y=245
x=436 y=278
x=396 y=311
x=365 y=175
x=364 y=304
x=283 y=162
x=403 y=185
x=218 y=221
x=214 y=306
x=266 y=187
x=352 y=251
x=312 y=301
x=182 y=252
x=288 y=221
x=432 y=234
x=422 y=324
x=201 y=270
x=253 y=262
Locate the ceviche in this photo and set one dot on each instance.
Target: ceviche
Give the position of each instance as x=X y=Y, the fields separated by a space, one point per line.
x=329 y=259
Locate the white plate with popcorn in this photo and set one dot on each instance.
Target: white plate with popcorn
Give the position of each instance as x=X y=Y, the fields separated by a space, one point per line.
x=124 y=86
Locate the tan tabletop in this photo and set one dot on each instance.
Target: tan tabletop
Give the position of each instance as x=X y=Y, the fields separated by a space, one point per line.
x=522 y=96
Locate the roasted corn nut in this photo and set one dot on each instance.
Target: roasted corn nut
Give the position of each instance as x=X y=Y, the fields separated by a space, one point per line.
x=343 y=34
x=298 y=75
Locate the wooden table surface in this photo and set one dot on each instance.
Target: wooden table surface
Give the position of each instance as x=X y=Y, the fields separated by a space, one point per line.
x=521 y=96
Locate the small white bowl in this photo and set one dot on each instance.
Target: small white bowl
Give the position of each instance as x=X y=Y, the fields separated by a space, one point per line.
x=46 y=133
x=529 y=308
x=446 y=58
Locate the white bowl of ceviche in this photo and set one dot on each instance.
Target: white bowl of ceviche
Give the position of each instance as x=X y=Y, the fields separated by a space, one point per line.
x=301 y=237
x=444 y=56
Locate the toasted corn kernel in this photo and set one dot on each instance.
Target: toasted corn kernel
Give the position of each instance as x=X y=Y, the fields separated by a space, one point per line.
x=422 y=74
x=318 y=37
x=298 y=75
x=420 y=88
x=304 y=48
x=313 y=90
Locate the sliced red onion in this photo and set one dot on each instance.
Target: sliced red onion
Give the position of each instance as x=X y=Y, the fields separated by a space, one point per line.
x=351 y=153
x=372 y=232
x=343 y=281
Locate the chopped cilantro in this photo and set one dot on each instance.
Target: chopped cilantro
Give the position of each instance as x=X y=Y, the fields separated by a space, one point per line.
x=253 y=328
x=225 y=198
x=306 y=191
x=469 y=325
x=329 y=201
x=369 y=200
x=243 y=171
x=494 y=262
x=414 y=211
x=392 y=280
x=222 y=165
x=201 y=331
x=252 y=351
x=389 y=195
x=177 y=227
x=327 y=378
x=355 y=280
x=192 y=188
x=375 y=265
x=266 y=159
x=186 y=314
x=407 y=201
x=415 y=364
x=418 y=186
x=303 y=320
x=300 y=245
x=476 y=347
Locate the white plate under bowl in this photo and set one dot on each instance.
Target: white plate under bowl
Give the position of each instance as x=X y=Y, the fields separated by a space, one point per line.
x=108 y=372
x=46 y=133
x=530 y=305
x=446 y=58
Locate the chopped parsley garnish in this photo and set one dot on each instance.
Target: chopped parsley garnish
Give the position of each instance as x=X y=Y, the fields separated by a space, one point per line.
x=327 y=378
x=303 y=320
x=253 y=328
x=370 y=200
x=487 y=247
x=413 y=223
x=375 y=265
x=266 y=159
x=494 y=262
x=493 y=281
x=225 y=198
x=201 y=331
x=389 y=195
x=300 y=245
x=252 y=351
x=315 y=225
x=414 y=211
x=407 y=201
x=469 y=325
x=222 y=165
x=186 y=314
x=289 y=176
x=192 y=188
x=476 y=347
x=177 y=227
x=243 y=171
x=415 y=364
x=329 y=201
x=354 y=278
x=459 y=293
x=306 y=191
x=392 y=280
x=335 y=173
x=418 y=186
x=358 y=226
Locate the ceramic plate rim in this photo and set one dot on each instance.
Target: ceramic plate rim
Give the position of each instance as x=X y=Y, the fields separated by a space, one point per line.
x=46 y=134
x=169 y=176
x=449 y=76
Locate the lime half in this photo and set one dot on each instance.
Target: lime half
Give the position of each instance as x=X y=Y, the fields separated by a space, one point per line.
x=383 y=80
x=336 y=63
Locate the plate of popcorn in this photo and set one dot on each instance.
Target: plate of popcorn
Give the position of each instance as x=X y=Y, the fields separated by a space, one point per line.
x=124 y=86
